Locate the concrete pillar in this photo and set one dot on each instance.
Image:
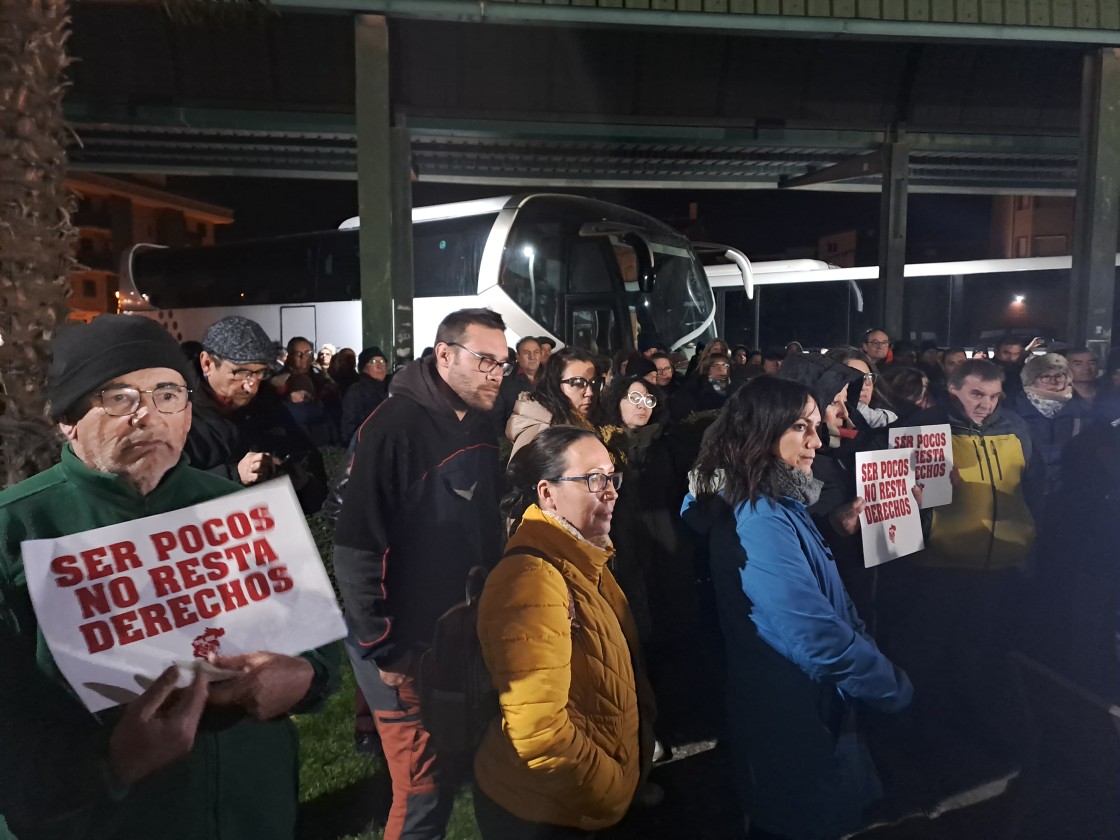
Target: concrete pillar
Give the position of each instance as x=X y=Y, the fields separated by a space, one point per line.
x=1096 y=216
x=373 y=116
x=892 y=233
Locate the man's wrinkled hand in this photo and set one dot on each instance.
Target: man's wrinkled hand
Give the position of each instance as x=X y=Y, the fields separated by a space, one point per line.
x=845 y=519
x=269 y=685
x=158 y=727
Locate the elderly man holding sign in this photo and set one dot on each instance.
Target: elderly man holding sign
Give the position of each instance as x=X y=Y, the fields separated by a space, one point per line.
x=207 y=760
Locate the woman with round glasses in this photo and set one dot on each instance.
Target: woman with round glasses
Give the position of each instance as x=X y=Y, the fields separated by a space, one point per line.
x=654 y=565
x=573 y=740
x=623 y=422
x=799 y=659
x=565 y=392
x=628 y=403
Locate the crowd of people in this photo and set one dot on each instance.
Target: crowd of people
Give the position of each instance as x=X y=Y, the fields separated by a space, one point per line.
x=612 y=501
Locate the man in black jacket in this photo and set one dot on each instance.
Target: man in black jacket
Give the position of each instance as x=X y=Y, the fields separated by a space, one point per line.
x=420 y=509
x=241 y=428
x=367 y=392
x=529 y=365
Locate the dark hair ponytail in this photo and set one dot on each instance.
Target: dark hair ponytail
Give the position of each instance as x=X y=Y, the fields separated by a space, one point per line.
x=545 y=456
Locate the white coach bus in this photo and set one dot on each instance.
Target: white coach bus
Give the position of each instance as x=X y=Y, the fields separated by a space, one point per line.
x=582 y=271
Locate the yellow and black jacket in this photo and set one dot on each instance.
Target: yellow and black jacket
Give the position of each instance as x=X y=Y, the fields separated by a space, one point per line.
x=989 y=525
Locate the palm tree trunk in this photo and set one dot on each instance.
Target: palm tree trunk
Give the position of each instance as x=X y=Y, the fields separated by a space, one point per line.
x=36 y=237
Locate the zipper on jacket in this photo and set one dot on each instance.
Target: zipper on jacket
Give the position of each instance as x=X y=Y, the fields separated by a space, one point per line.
x=979 y=463
x=999 y=464
x=995 y=506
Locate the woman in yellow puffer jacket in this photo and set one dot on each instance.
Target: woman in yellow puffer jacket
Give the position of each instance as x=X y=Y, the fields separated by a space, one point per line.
x=574 y=738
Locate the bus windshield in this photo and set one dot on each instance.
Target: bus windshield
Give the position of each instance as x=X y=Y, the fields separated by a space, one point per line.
x=561 y=274
x=681 y=307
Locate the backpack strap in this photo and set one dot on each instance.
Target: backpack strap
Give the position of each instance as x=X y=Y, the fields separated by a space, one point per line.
x=540 y=555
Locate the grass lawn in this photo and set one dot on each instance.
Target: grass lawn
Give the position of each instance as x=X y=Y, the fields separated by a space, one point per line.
x=344 y=794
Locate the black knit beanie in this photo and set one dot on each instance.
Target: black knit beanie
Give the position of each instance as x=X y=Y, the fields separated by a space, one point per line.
x=86 y=356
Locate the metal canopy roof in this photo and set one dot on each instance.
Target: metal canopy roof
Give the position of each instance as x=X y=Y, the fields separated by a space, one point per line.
x=443 y=155
x=554 y=106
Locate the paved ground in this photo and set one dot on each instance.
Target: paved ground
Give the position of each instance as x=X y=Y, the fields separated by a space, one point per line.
x=1062 y=782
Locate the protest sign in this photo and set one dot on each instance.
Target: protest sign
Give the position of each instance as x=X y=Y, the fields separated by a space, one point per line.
x=933 y=460
x=117 y=605
x=889 y=523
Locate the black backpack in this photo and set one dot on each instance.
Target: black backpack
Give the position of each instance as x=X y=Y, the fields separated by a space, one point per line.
x=457 y=696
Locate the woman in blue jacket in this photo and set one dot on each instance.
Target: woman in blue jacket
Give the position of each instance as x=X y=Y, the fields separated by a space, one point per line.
x=799 y=657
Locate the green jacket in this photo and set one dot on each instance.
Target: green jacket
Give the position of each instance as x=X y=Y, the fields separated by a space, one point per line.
x=241 y=779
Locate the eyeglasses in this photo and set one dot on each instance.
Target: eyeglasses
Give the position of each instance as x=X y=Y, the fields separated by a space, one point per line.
x=870 y=378
x=239 y=374
x=581 y=384
x=121 y=402
x=242 y=374
x=871 y=343
x=665 y=371
x=485 y=363
x=303 y=354
x=638 y=398
x=1052 y=378
x=377 y=362
x=596 y=482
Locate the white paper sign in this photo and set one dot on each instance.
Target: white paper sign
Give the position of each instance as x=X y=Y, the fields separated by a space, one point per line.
x=889 y=523
x=119 y=604
x=933 y=460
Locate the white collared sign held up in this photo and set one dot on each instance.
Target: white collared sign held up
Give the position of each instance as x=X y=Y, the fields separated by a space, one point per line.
x=933 y=460
x=237 y=574
x=889 y=524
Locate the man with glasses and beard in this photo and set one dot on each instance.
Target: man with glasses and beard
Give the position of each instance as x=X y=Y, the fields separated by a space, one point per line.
x=419 y=511
x=207 y=760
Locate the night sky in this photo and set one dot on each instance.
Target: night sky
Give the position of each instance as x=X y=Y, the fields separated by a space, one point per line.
x=758 y=222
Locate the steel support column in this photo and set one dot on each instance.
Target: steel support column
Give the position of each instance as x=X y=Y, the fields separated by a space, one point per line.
x=402 y=244
x=375 y=194
x=1096 y=215
x=892 y=233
